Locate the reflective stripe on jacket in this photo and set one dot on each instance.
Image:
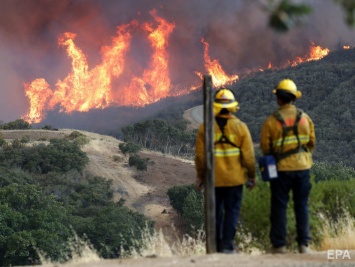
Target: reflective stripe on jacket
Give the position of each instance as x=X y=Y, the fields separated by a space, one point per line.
x=271 y=139
x=233 y=165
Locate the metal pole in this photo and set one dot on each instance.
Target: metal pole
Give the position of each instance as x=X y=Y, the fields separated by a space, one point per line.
x=210 y=214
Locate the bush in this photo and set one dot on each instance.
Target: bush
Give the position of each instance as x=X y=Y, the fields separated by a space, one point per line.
x=81 y=141
x=19 y=124
x=136 y=160
x=117 y=158
x=323 y=171
x=329 y=198
x=177 y=196
x=86 y=203
x=25 y=139
x=60 y=155
x=75 y=134
x=47 y=127
x=129 y=148
x=189 y=204
x=29 y=221
x=117 y=227
x=194 y=211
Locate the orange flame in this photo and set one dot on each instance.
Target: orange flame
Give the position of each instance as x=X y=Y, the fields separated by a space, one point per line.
x=38 y=92
x=157 y=75
x=346 y=47
x=316 y=53
x=85 y=89
x=219 y=77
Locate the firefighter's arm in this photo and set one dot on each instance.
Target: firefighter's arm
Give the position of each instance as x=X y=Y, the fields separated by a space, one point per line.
x=247 y=152
x=312 y=136
x=265 y=138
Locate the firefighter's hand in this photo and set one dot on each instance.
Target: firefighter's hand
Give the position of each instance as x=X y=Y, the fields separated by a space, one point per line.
x=198 y=184
x=251 y=183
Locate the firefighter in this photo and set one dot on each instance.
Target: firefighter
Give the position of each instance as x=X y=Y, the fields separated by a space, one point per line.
x=234 y=166
x=289 y=135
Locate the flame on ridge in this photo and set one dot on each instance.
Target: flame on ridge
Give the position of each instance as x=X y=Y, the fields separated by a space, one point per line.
x=213 y=67
x=316 y=53
x=155 y=81
x=84 y=89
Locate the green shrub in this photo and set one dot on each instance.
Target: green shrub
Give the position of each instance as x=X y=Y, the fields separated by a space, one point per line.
x=129 y=148
x=254 y=216
x=117 y=158
x=177 y=196
x=3 y=143
x=328 y=198
x=332 y=196
x=47 y=127
x=60 y=155
x=81 y=140
x=193 y=211
x=75 y=134
x=25 y=139
x=19 y=124
x=140 y=163
x=326 y=171
x=117 y=227
x=16 y=144
x=29 y=221
x=189 y=204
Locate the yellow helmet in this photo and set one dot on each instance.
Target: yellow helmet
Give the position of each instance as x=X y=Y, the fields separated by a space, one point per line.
x=289 y=86
x=224 y=98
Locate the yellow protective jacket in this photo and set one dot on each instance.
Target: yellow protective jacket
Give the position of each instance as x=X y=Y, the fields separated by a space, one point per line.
x=271 y=138
x=233 y=165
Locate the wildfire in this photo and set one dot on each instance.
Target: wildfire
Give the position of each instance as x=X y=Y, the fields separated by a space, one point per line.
x=84 y=88
x=156 y=76
x=219 y=77
x=316 y=53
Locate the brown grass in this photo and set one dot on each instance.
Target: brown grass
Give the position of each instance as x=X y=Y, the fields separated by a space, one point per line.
x=339 y=235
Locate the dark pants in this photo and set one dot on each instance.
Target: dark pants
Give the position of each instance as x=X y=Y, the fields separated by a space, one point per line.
x=228 y=203
x=299 y=183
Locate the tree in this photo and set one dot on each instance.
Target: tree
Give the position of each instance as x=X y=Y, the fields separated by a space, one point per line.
x=30 y=221
x=117 y=227
x=19 y=124
x=129 y=148
x=286 y=14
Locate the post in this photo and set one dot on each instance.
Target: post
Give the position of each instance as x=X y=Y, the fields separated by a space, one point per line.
x=210 y=216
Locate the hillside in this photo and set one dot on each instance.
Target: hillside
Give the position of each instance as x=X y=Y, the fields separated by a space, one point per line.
x=145 y=192
x=327 y=87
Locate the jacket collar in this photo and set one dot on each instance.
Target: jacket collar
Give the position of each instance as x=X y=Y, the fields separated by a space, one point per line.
x=287 y=106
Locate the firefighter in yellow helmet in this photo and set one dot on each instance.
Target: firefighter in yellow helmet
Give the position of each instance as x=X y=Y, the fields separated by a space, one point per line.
x=288 y=134
x=234 y=166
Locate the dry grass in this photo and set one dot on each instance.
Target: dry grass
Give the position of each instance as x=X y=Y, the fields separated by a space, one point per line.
x=80 y=251
x=339 y=235
x=154 y=243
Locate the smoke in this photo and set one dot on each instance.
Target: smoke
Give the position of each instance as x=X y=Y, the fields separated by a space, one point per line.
x=236 y=30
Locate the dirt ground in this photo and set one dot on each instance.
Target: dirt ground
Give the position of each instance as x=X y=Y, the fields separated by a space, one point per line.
x=318 y=259
x=146 y=191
